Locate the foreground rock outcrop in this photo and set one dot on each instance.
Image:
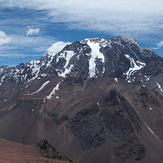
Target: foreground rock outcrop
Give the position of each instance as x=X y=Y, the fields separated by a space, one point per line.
x=11 y=152
x=48 y=151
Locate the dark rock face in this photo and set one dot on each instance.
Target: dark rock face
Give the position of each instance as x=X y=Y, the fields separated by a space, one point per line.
x=130 y=148
x=154 y=67
x=88 y=128
x=90 y=133
x=49 y=151
x=114 y=119
x=114 y=99
x=119 y=126
x=121 y=132
x=81 y=66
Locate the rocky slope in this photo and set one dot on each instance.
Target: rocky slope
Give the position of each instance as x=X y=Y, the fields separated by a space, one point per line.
x=85 y=119
x=98 y=100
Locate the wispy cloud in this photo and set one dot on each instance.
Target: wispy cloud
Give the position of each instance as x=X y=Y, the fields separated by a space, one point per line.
x=57 y=47
x=26 y=45
x=141 y=19
x=32 y=31
x=129 y=17
x=158 y=45
x=12 y=55
x=4 y=39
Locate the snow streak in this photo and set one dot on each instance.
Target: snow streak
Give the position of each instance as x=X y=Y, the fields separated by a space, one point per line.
x=159 y=86
x=135 y=66
x=95 y=53
x=53 y=91
x=41 y=88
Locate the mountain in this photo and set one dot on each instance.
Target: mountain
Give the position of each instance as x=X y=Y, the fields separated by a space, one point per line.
x=119 y=57
x=97 y=100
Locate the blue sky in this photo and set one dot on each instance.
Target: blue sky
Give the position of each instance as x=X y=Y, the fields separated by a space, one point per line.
x=29 y=29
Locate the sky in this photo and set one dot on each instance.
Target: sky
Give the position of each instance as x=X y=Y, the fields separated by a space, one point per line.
x=30 y=29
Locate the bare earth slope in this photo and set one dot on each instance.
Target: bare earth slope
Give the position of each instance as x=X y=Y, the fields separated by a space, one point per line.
x=11 y=152
x=88 y=120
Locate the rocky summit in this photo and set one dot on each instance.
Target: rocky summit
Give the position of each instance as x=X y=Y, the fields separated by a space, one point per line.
x=97 y=100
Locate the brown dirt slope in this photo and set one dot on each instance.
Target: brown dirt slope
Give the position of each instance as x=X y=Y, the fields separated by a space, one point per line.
x=11 y=152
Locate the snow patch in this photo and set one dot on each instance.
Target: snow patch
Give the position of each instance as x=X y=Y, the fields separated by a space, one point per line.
x=34 y=66
x=66 y=71
x=49 y=60
x=53 y=91
x=41 y=88
x=67 y=55
x=159 y=86
x=26 y=86
x=135 y=66
x=95 y=53
x=116 y=79
x=150 y=130
x=2 y=79
x=98 y=104
x=42 y=108
x=11 y=107
x=141 y=63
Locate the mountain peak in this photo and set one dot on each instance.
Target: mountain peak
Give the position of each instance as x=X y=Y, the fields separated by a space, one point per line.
x=126 y=39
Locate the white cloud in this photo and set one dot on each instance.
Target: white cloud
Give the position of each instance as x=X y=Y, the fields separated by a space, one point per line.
x=32 y=31
x=4 y=39
x=138 y=19
x=26 y=46
x=57 y=47
x=159 y=45
x=119 y=17
x=12 y=55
